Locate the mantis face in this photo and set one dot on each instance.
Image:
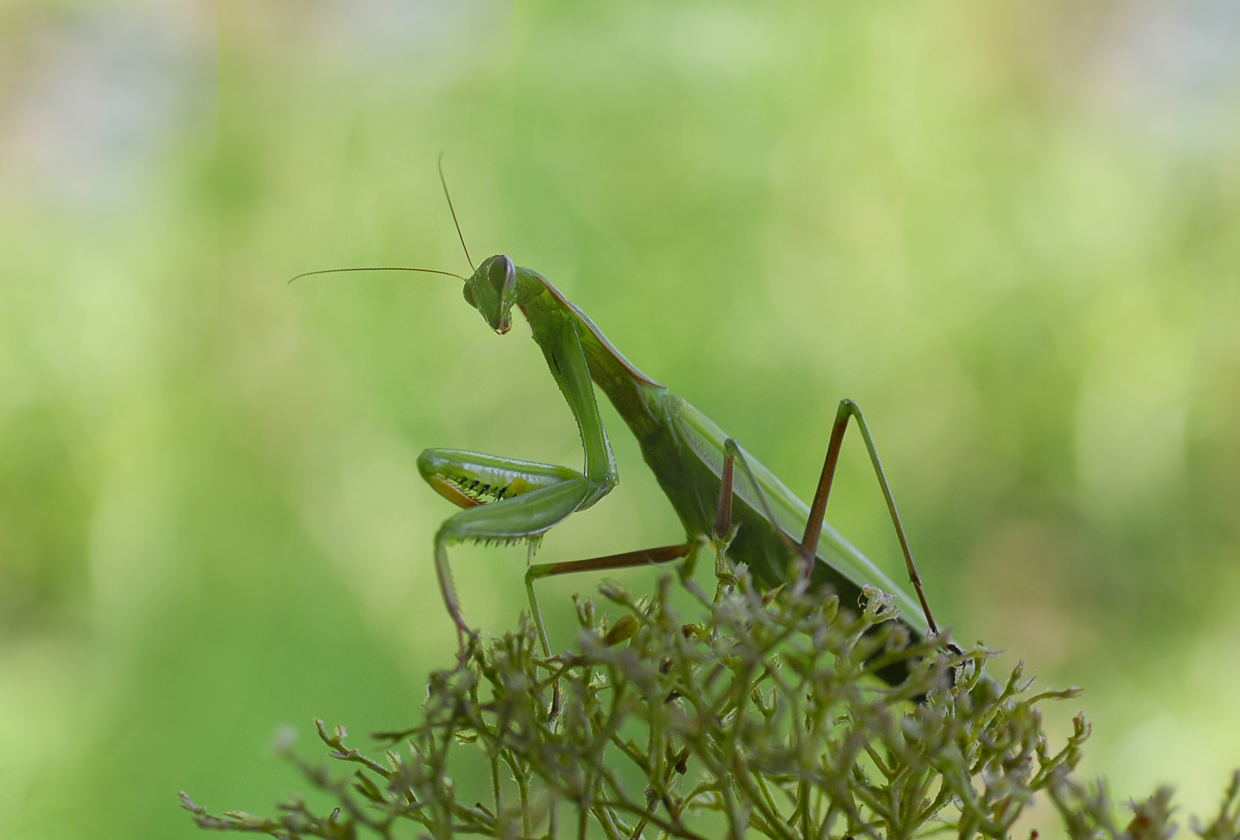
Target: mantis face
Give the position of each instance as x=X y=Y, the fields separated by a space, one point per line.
x=492 y=290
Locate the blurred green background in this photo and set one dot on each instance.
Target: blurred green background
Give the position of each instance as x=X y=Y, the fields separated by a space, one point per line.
x=1011 y=232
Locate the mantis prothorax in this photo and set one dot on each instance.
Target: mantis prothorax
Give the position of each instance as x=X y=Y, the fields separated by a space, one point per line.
x=757 y=520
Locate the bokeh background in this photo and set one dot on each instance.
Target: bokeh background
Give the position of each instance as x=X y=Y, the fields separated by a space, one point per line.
x=1011 y=232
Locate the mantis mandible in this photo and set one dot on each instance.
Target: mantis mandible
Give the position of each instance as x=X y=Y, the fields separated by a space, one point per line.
x=757 y=520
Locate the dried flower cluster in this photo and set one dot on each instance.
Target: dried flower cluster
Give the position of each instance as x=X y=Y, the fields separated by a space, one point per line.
x=756 y=716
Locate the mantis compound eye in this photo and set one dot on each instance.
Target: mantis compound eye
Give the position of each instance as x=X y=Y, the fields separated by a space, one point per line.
x=502 y=275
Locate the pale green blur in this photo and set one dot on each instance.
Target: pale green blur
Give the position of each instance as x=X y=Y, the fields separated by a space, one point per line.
x=1010 y=232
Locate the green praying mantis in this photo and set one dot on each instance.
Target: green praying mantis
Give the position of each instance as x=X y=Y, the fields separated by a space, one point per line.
x=747 y=512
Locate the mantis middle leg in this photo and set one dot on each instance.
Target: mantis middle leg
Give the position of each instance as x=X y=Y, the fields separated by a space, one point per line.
x=720 y=538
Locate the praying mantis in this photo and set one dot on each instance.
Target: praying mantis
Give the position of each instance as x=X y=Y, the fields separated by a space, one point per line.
x=755 y=519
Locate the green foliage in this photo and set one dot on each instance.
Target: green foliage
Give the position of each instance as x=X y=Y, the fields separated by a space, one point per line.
x=760 y=717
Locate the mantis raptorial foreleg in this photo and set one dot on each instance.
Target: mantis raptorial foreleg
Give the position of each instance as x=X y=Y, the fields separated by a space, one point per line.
x=530 y=497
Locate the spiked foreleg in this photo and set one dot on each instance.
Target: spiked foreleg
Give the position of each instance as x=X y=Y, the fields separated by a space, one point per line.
x=526 y=516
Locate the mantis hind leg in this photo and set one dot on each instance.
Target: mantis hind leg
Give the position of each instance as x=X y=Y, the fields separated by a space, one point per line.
x=892 y=674
x=849 y=409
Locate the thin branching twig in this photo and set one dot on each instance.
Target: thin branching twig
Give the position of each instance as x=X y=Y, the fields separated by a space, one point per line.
x=760 y=717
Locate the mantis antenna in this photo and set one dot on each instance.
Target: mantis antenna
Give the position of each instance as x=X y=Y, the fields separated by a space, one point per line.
x=377 y=268
x=459 y=235
x=452 y=210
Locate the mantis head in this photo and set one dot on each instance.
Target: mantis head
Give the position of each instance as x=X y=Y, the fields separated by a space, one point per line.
x=492 y=290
